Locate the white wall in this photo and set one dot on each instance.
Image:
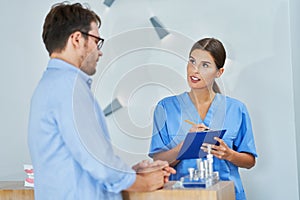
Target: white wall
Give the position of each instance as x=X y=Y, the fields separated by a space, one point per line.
x=140 y=69
x=295 y=47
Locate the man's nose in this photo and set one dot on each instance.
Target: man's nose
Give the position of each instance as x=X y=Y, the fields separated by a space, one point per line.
x=100 y=53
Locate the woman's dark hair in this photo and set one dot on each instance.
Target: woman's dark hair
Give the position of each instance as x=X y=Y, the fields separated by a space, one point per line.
x=63 y=20
x=216 y=50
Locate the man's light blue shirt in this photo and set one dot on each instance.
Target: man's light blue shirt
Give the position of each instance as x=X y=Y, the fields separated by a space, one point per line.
x=169 y=129
x=69 y=142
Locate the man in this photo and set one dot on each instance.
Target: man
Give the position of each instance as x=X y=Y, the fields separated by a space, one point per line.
x=68 y=139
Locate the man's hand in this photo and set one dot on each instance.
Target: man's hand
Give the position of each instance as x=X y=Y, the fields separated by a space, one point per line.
x=151 y=176
x=147 y=166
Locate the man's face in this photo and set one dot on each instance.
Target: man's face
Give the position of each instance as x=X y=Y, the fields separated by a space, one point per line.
x=91 y=54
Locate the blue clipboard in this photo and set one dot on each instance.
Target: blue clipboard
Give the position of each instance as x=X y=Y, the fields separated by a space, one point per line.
x=194 y=140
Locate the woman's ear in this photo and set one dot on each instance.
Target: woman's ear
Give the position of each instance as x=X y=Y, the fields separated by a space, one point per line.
x=220 y=72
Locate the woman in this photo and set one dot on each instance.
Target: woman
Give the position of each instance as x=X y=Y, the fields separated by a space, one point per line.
x=207 y=108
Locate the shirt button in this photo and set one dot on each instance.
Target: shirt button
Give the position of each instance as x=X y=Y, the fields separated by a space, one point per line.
x=89 y=81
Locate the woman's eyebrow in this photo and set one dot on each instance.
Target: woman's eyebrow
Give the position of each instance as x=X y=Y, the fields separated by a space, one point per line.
x=206 y=62
x=203 y=61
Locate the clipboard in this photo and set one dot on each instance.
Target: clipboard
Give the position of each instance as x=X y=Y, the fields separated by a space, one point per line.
x=194 y=140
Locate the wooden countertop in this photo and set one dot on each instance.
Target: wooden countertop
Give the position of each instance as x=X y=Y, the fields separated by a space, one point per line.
x=15 y=190
x=223 y=190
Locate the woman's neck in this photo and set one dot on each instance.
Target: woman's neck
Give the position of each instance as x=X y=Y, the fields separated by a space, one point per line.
x=202 y=97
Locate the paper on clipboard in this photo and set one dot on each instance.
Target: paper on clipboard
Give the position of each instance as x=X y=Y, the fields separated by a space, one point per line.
x=193 y=141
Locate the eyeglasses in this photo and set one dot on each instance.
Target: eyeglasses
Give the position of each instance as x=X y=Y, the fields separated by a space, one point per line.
x=100 y=40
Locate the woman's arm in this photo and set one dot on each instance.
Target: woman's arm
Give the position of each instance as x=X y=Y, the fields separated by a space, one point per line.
x=169 y=156
x=244 y=160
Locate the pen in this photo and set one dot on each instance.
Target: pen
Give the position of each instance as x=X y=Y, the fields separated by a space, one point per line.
x=192 y=123
x=189 y=122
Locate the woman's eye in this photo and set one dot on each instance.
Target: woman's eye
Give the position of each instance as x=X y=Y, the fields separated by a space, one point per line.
x=192 y=61
x=205 y=65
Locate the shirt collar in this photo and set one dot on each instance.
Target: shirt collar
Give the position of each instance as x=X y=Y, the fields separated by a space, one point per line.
x=56 y=63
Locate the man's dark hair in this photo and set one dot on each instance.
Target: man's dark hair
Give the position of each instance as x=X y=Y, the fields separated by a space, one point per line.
x=63 y=20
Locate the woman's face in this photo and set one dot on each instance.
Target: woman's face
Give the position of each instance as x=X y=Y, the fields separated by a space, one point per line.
x=202 y=70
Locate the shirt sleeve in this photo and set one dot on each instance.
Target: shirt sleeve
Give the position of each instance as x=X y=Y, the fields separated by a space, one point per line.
x=160 y=138
x=244 y=141
x=88 y=141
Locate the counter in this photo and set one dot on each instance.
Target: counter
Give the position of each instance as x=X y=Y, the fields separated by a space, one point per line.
x=223 y=190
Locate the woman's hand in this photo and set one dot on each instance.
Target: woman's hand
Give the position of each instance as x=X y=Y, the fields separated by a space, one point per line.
x=222 y=151
x=198 y=128
x=240 y=159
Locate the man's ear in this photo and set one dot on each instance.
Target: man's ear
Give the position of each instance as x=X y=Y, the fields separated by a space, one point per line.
x=220 y=72
x=76 y=39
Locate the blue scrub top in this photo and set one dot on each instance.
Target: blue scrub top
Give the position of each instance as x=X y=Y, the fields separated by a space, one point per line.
x=169 y=129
